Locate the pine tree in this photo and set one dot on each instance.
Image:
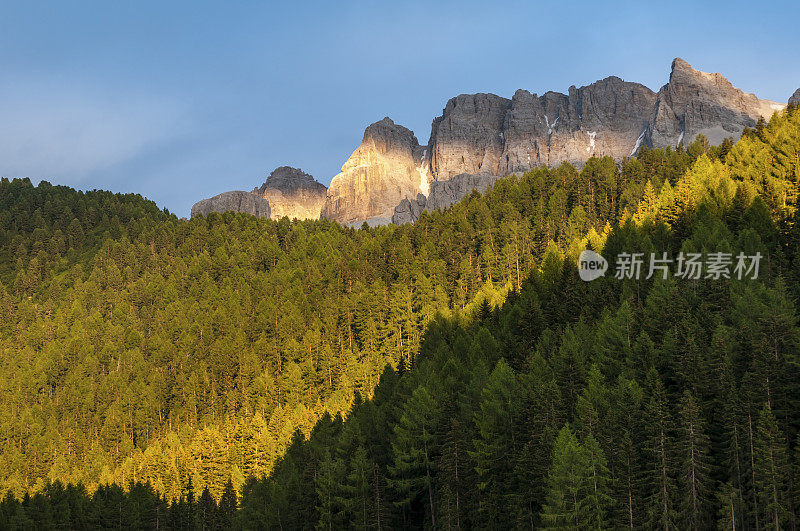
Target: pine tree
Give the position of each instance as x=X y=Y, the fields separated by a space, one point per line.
x=695 y=482
x=648 y=205
x=328 y=488
x=734 y=437
x=666 y=204
x=625 y=454
x=729 y=514
x=415 y=449
x=207 y=511
x=660 y=449
x=227 y=506
x=452 y=476
x=358 y=489
x=543 y=418
x=771 y=472
x=499 y=439
x=598 y=501
x=565 y=506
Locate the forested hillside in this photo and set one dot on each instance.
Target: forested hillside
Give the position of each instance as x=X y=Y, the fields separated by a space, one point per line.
x=656 y=403
x=137 y=347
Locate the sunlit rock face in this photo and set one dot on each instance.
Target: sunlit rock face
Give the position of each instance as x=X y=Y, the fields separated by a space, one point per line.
x=292 y=193
x=481 y=137
x=484 y=134
x=236 y=201
x=386 y=168
x=695 y=102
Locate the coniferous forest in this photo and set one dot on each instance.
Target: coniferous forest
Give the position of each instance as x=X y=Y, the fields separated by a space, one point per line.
x=236 y=372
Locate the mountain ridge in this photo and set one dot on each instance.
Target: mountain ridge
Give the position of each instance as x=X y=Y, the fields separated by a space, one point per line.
x=488 y=135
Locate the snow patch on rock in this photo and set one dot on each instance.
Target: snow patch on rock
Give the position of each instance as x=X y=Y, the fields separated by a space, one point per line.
x=638 y=142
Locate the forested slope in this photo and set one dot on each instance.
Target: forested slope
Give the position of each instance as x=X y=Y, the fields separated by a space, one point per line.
x=140 y=346
x=185 y=354
x=655 y=403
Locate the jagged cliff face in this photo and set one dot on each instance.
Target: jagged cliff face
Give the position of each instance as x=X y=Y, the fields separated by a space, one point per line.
x=795 y=99
x=695 y=102
x=468 y=137
x=484 y=134
x=236 y=201
x=386 y=168
x=292 y=193
x=442 y=195
x=480 y=137
x=604 y=118
x=487 y=136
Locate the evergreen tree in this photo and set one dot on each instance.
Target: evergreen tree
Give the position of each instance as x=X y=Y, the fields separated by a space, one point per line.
x=695 y=482
x=359 y=491
x=565 y=503
x=227 y=506
x=660 y=482
x=771 y=472
x=207 y=511
x=328 y=491
x=498 y=442
x=415 y=448
x=598 y=500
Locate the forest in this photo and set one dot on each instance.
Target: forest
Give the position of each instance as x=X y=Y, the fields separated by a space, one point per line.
x=231 y=371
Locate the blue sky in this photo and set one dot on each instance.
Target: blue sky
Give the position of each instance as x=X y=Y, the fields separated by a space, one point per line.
x=181 y=100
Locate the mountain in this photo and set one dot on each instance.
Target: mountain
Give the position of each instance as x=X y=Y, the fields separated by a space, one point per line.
x=795 y=99
x=236 y=201
x=695 y=102
x=491 y=136
x=292 y=193
x=386 y=168
x=484 y=134
x=442 y=195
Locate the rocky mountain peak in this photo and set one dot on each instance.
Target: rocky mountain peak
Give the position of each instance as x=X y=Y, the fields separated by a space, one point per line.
x=795 y=99
x=480 y=137
x=386 y=136
x=483 y=135
x=695 y=102
x=288 y=179
x=684 y=74
x=386 y=168
x=292 y=193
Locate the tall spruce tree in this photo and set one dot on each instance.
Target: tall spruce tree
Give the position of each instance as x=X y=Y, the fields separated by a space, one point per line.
x=416 y=451
x=772 y=471
x=695 y=485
